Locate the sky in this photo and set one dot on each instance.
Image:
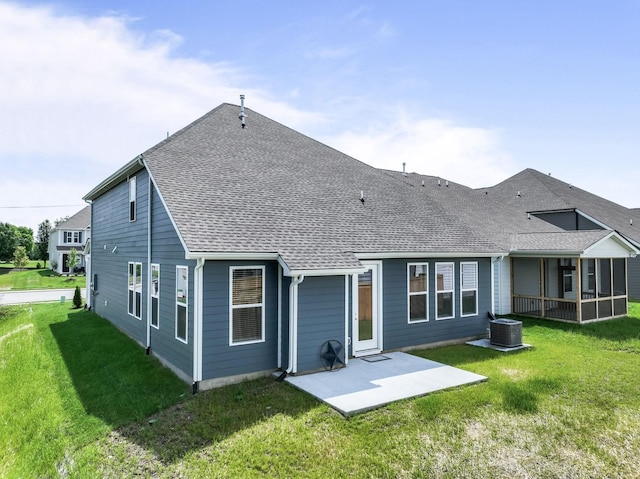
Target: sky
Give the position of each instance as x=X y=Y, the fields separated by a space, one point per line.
x=472 y=91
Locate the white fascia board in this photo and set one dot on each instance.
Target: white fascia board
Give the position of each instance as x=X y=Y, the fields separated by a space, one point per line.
x=593 y=220
x=614 y=236
x=427 y=254
x=232 y=256
x=131 y=167
x=546 y=253
x=325 y=272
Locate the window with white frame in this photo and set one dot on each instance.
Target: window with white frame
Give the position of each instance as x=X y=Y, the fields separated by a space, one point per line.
x=135 y=290
x=444 y=290
x=155 y=295
x=468 y=288
x=418 y=288
x=132 y=198
x=72 y=237
x=182 y=302
x=246 y=312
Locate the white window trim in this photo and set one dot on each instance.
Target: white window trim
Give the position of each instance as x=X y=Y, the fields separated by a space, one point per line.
x=232 y=307
x=157 y=296
x=452 y=291
x=462 y=263
x=181 y=305
x=417 y=293
x=135 y=265
x=133 y=196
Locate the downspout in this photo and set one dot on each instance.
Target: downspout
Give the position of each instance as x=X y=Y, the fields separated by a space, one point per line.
x=149 y=279
x=279 y=293
x=197 y=323
x=293 y=324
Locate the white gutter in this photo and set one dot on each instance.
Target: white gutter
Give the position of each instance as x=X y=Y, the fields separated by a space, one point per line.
x=293 y=324
x=149 y=279
x=279 y=293
x=197 y=320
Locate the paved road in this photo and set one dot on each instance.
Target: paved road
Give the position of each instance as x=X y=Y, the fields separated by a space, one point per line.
x=38 y=296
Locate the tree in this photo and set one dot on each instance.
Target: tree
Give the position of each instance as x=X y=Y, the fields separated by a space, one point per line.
x=25 y=238
x=20 y=258
x=77 y=298
x=72 y=260
x=8 y=241
x=44 y=230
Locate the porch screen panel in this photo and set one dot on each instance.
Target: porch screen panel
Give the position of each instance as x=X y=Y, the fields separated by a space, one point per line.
x=619 y=277
x=604 y=279
x=588 y=279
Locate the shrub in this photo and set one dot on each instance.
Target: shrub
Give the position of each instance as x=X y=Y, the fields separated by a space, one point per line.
x=77 y=298
x=38 y=265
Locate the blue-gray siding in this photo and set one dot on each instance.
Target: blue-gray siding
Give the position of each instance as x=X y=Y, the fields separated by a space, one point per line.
x=218 y=357
x=569 y=220
x=320 y=317
x=111 y=229
x=168 y=252
x=633 y=277
x=398 y=333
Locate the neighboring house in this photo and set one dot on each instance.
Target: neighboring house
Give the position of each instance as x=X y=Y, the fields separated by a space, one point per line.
x=230 y=252
x=73 y=233
x=571 y=209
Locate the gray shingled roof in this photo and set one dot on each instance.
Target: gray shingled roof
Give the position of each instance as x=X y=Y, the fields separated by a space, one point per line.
x=540 y=192
x=267 y=188
x=79 y=221
x=574 y=241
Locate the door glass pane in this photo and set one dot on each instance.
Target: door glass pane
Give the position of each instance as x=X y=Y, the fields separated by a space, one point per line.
x=365 y=306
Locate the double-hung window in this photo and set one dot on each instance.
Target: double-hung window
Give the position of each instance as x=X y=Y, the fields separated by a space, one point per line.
x=182 y=302
x=468 y=288
x=246 y=311
x=418 y=287
x=135 y=290
x=444 y=290
x=132 y=198
x=155 y=295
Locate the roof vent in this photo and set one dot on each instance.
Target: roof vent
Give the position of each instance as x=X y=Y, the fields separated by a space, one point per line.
x=518 y=194
x=404 y=171
x=422 y=182
x=446 y=183
x=362 y=196
x=439 y=182
x=631 y=222
x=242 y=115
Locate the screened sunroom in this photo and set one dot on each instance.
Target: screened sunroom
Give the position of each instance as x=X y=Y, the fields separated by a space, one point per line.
x=570 y=276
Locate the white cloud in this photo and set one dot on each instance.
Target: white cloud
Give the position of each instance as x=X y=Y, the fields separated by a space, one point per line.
x=82 y=96
x=468 y=155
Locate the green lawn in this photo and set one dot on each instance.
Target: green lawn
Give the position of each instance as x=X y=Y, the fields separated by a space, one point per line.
x=78 y=398
x=32 y=278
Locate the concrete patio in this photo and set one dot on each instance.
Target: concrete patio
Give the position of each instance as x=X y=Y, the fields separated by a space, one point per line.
x=371 y=382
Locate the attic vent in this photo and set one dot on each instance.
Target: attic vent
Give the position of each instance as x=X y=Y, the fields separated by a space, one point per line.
x=242 y=115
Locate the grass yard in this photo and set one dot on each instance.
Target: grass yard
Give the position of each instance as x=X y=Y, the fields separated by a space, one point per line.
x=569 y=407
x=32 y=278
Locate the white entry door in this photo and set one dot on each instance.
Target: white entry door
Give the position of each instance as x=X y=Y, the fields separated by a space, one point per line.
x=367 y=311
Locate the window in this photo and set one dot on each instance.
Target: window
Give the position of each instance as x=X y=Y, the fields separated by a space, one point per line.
x=135 y=290
x=468 y=289
x=182 y=302
x=247 y=305
x=444 y=290
x=155 y=294
x=132 y=198
x=418 y=282
x=72 y=237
